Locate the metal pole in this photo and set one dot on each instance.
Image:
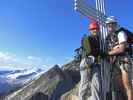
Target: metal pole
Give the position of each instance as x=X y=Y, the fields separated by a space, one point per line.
x=100 y=5
x=89 y=11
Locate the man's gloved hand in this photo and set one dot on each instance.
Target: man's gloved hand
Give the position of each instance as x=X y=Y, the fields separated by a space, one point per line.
x=103 y=54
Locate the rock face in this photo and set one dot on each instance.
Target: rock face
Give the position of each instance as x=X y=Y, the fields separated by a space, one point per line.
x=55 y=84
x=72 y=94
x=72 y=69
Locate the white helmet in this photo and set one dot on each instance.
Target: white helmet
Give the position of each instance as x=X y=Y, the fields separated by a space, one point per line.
x=111 y=19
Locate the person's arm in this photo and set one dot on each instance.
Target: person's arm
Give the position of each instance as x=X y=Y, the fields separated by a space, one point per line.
x=118 y=49
x=121 y=45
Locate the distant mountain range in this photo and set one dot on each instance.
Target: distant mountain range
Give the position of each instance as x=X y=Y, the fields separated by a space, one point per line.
x=12 y=79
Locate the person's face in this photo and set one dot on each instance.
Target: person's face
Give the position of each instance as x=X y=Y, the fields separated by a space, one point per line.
x=111 y=27
x=94 y=32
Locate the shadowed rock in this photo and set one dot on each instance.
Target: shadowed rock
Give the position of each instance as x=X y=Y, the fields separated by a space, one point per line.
x=39 y=96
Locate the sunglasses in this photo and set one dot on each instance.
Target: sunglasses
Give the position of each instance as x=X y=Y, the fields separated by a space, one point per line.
x=111 y=24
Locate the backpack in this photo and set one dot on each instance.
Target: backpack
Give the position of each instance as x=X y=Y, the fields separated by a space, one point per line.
x=129 y=34
x=129 y=38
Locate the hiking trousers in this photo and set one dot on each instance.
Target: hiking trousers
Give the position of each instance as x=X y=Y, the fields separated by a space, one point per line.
x=90 y=84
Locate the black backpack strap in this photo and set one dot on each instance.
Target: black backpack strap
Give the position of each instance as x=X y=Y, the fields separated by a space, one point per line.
x=129 y=38
x=120 y=29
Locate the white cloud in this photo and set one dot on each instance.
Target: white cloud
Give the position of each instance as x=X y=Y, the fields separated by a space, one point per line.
x=67 y=60
x=7 y=59
x=34 y=58
x=11 y=60
x=5 y=56
x=34 y=61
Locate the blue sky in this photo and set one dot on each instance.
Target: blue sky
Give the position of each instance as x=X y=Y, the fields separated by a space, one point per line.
x=46 y=32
